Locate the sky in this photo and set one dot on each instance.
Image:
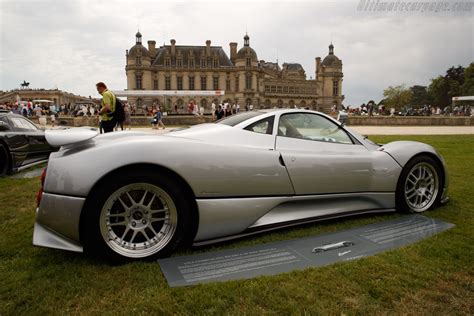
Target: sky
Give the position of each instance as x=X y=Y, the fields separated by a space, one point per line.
x=71 y=45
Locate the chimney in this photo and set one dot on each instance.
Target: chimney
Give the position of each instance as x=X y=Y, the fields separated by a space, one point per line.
x=151 y=47
x=208 y=48
x=173 y=47
x=318 y=64
x=233 y=52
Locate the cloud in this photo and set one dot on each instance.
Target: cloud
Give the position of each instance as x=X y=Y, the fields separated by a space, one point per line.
x=74 y=44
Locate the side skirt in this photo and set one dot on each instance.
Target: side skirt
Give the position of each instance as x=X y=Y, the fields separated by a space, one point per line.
x=267 y=228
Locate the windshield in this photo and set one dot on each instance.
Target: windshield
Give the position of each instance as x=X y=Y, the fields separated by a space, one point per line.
x=238 y=118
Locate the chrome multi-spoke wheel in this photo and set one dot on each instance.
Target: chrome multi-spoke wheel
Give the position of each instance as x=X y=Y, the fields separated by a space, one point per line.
x=138 y=220
x=420 y=184
x=421 y=187
x=138 y=213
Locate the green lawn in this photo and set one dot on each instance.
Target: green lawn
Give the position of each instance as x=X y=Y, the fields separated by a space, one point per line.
x=434 y=276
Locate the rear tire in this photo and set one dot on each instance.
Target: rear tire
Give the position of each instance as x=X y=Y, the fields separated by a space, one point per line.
x=138 y=216
x=4 y=161
x=420 y=185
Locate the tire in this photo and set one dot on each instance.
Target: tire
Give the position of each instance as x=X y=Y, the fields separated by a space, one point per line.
x=420 y=185
x=4 y=161
x=160 y=219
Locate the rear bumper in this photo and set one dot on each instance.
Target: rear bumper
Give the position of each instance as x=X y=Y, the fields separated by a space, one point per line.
x=57 y=222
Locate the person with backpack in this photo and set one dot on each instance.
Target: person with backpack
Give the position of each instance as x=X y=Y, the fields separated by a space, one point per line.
x=107 y=107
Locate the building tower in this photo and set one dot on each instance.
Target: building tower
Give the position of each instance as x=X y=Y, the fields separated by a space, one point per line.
x=329 y=78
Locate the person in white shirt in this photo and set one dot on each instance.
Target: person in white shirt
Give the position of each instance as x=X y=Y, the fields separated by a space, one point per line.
x=213 y=111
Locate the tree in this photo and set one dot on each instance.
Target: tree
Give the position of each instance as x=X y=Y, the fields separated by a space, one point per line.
x=420 y=96
x=443 y=89
x=438 y=91
x=467 y=87
x=397 y=97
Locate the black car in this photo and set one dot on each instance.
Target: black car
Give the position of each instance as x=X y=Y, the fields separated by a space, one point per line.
x=22 y=143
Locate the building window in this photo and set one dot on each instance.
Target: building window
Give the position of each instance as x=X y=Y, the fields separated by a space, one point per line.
x=138 y=60
x=167 y=62
x=138 y=81
x=267 y=89
x=191 y=83
x=292 y=90
x=215 y=83
x=248 y=82
x=180 y=63
x=273 y=89
x=155 y=84
x=297 y=90
x=180 y=83
x=335 y=88
x=279 y=89
x=167 y=83
x=191 y=63
x=203 y=63
x=237 y=88
x=285 y=89
x=248 y=61
x=203 y=83
x=227 y=84
x=216 y=63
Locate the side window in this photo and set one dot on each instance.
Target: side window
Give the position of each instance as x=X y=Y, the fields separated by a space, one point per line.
x=23 y=124
x=311 y=127
x=264 y=126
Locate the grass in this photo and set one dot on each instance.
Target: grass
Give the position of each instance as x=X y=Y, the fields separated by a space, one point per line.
x=433 y=276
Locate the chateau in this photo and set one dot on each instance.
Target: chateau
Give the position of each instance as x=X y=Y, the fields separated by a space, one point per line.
x=243 y=77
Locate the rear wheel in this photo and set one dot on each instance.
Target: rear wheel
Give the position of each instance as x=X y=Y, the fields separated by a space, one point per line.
x=420 y=185
x=138 y=217
x=4 y=161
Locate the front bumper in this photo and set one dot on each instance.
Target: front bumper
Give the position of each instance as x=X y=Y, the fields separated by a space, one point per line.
x=57 y=222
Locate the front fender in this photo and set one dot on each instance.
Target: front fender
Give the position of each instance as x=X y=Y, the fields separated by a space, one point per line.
x=403 y=151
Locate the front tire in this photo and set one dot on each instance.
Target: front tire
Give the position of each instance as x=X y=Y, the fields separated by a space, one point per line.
x=420 y=185
x=139 y=216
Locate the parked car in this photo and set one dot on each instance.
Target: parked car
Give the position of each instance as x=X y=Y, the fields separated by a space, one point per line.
x=22 y=143
x=132 y=195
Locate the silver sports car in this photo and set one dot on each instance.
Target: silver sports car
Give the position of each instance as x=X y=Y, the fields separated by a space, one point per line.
x=133 y=195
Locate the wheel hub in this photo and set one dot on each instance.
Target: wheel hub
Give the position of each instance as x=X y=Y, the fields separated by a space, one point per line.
x=421 y=187
x=138 y=220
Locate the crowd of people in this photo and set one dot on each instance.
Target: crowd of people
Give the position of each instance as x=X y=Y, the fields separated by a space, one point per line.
x=425 y=110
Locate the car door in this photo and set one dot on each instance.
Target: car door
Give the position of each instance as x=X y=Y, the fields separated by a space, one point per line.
x=37 y=147
x=321 y=157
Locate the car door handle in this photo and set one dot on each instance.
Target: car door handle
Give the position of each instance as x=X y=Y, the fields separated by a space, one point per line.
x=282 y=162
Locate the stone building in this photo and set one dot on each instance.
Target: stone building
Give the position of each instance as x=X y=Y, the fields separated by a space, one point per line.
x=244 y=78
x=55 y=95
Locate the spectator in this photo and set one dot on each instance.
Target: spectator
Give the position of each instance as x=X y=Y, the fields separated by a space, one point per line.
x=128 y=119
x=107 y=106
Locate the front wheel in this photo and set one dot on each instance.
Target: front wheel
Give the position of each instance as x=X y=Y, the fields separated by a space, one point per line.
x=138 y=217
x=420 y=185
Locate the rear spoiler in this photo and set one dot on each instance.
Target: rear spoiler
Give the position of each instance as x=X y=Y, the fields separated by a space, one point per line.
x=61 y=137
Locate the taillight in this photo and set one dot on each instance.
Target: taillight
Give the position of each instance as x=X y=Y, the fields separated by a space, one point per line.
x=39 y=194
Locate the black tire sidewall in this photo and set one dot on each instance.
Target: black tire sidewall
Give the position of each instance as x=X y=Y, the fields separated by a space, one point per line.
x=91 y=236
x=401 y=204
x=4 y=161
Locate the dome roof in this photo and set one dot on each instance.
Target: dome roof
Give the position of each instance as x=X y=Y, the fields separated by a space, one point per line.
x=331 y=60
x=138 y=49
x=247 y=51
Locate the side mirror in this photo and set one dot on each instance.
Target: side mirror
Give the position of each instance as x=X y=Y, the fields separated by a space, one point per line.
x=4 y=126
x=342 y=117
